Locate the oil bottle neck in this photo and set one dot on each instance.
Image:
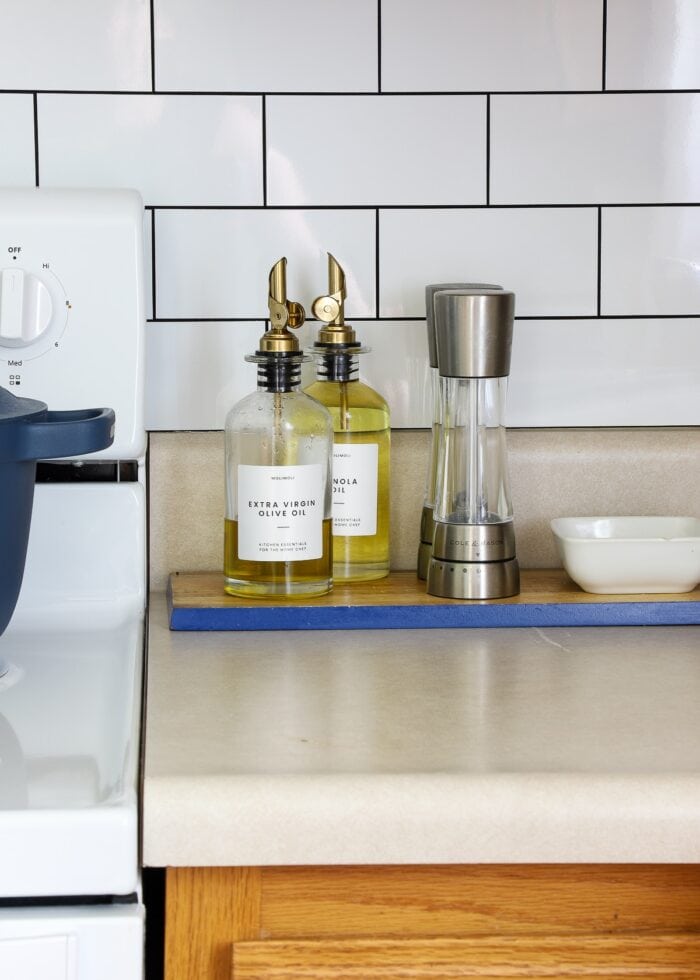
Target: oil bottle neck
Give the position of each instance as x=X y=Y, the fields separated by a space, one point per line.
x=337 y=363
x=279 y=372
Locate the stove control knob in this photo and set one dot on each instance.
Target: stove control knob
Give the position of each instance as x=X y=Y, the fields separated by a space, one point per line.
x=25 y=307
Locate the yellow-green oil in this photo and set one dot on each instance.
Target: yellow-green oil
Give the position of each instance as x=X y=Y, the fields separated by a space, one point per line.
x=276 y=579
x=360 y=415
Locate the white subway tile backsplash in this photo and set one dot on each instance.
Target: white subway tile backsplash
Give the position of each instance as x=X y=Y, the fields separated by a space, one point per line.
x=173 y=149
x=552 y=146
x=215 y=263
x=77 y=45
x=547 y=256
x=584 y=372
x=382 y=150
x=604 y=373
x=275 y=46
x=653 y=44
x=604 y=149
x=500 y=45
x=651 y=261
x=17 y=127
x=196 y=372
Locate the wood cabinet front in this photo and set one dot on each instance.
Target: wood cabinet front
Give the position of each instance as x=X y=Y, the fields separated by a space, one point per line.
x=437 y=922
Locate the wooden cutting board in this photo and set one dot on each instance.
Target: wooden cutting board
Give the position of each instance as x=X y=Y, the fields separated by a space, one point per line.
x=548 y=597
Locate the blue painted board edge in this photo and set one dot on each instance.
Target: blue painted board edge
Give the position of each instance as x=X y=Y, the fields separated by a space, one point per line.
x=435 y=616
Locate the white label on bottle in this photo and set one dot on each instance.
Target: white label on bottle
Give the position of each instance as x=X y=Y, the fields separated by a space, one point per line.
x=355 y=470
x=280 y=512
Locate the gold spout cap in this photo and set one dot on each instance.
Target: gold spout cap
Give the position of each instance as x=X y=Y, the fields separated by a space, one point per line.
x=330 y=309
x=284 y=314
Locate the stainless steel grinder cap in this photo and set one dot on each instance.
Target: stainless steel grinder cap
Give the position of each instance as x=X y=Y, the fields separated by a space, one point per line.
x=474 y=332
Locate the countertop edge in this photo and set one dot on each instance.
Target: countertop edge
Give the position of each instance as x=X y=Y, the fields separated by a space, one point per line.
x=418 y=818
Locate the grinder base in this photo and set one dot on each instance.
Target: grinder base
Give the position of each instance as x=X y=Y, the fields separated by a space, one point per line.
x=473 y=579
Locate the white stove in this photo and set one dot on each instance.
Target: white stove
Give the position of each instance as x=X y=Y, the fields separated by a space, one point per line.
x=70 y=695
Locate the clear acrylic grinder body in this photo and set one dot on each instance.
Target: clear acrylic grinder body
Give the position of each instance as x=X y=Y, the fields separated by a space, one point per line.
x=474 y=544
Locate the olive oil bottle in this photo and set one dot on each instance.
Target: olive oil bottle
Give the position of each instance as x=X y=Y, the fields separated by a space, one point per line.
x=361 y=442
x=278 y=444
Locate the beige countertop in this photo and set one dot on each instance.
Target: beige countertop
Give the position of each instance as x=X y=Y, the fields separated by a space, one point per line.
x=421 y=746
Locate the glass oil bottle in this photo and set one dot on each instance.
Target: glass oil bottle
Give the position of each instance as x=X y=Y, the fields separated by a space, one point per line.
x=278 y=445
x=361 y=440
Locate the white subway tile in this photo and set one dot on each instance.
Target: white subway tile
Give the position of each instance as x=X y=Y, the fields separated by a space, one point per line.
x=215 y=263
x=563 y=372
x=397 y=367
x=82 y=45
x=547 y=256
x=195 y=372
x=499 y=45
x=604 y=373
x=360 y=150
x=605 y=149
x=650 y=261
x=276 y=46
x=653 y=44
x=17 y=127
x=173 y=149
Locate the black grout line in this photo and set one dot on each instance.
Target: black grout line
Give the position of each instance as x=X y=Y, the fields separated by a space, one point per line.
x=421 y=319
x=618 y=316
x=599 y=273
x=362 y=94
x=35 y=104
x=153 y=47
x=377 y=306
x=511 y=427
x=421 y=207
x=153 y=264
x=488 y=149
x=640 y=426
x=605 y=44
x=208 y=319
x=264 y=150
x=379 y=46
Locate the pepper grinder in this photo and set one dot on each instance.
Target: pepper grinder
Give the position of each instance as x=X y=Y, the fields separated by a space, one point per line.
x=427 y=526
x=474 y=543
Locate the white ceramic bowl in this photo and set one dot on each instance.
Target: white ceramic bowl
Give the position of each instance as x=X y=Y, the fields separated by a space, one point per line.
x=622 y=555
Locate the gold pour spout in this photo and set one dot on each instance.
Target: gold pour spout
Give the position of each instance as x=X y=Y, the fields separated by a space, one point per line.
x=284 y=313
x=330 y=309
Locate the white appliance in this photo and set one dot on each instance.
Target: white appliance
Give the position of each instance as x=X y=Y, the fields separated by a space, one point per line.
x=72 y=334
